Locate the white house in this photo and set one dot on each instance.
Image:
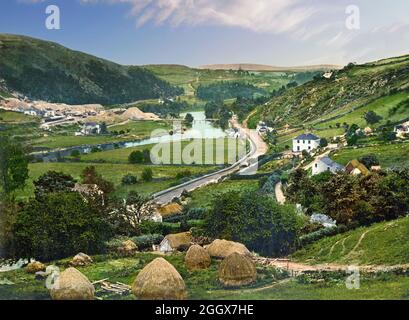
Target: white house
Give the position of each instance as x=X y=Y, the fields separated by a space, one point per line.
x=402 y=129
x=326 y=164
x=91 y=128
x=307 y=142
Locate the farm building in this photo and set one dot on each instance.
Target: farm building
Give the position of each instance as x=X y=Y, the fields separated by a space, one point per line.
x=307 y=142
x=326 y=164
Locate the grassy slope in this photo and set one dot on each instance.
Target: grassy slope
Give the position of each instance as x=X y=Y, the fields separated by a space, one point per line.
x=16 y=117
x=204 y=196
x=385 y=243
x=164 y=176
x=47 y=71
x=389 y=155
x=348 y=89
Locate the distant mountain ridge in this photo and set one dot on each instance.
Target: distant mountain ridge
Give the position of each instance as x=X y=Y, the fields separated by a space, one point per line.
x=262 y=67
x=43 y=70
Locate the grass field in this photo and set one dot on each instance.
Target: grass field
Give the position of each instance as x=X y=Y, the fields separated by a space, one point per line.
x=137 y=130
x=204 y=284
x=389 y=155
x=16 y=117
x=204 y=196
x=222 y=153
x=385 y=243
x=164 y=176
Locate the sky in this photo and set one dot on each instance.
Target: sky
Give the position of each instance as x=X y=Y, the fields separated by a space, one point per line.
x=199 y=32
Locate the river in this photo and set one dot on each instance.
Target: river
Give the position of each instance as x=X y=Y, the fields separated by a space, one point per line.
x=201 y=128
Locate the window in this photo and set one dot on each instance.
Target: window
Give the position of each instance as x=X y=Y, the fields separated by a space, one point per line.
x=309 y=141
x=316 y=165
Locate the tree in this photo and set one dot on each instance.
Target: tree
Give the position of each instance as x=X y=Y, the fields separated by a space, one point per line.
x=60 y=225
x=189 y=119
x=323 y=142
x=371 y=117
x=352 y=140
x=90 y=176
x=53 y=181
x=104 y=128
x=136 y=157
x=369 y=160
x=130 y=213
x=13 y=166
x=147 y=174
x=255 y=220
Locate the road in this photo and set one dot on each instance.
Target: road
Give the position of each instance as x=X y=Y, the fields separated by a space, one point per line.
x=279 y=193
x=258 y=147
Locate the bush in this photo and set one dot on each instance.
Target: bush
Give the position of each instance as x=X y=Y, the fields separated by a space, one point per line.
x=147 y=241
x=147 y=175
x=129 y=179
x=320 y=234
x=59 y=225
x=136 y=157
x=163 y=228
x=183 y=174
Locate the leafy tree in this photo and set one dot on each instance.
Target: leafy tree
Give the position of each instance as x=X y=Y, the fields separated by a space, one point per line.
x=136 y=157
x=129 y=179
x=352 y=140
x=323 y=142
x=53 y=181
x=90 y=176
x=104 y=128
x=255 y=220
x=129 y=214
x=371 y=117
x=60 y=225
x=13 y=165
x=369 y=160
x=388 y=136
x=147 y=175
x=189 y=119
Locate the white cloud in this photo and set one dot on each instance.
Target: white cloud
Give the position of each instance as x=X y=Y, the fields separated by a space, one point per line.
x=272 y=16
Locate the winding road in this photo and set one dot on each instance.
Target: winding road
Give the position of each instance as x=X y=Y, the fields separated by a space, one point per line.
x=258 y=148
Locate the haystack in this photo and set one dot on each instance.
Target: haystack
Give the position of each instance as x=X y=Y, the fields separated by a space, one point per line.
x=177 y=241
x=71 y=284
x=159 y=280
x=197 y=258
x=237 y=270
x=223 y=248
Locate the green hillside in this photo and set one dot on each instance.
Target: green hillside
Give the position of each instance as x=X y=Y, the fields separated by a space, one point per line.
x=44 y=70
x=347 y=90
x=384 y=243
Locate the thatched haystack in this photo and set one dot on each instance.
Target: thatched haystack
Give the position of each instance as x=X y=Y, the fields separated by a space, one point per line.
x=170 y=209
x=223 y=248
x=159 y=280
x=197 y=258
x=177 y=241
x=237 y=270
x=72 y=285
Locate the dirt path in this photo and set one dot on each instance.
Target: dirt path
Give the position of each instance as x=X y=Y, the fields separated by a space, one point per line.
x=279 y=193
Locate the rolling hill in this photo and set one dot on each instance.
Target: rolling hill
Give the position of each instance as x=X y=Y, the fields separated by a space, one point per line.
x=48 y=71
x=383 y=243
x=262 y=67
x=326 y=99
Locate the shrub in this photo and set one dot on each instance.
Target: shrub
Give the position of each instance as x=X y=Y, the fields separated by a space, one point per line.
x=163 y=228
x=146 y=241
x=320 y=234
x=136 y=157
x=75 y=153
x=183 y=174
x=147 y=175
x=129 y=179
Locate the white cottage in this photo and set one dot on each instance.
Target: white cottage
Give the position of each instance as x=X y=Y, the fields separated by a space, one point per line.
x=91 y=128
x=326 y=164
x=307 y=142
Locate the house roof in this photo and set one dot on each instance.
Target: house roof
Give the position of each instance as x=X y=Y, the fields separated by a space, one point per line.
x=91 y=124
x=307 y=136
x=331 y=163
x=355 y=164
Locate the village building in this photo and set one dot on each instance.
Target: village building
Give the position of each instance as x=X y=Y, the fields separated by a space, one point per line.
x=325 y=164
x=355 y=167
x=90 y=128
x=402 y=129
x=262 y=128
x=173 y=242
x=306 y=142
